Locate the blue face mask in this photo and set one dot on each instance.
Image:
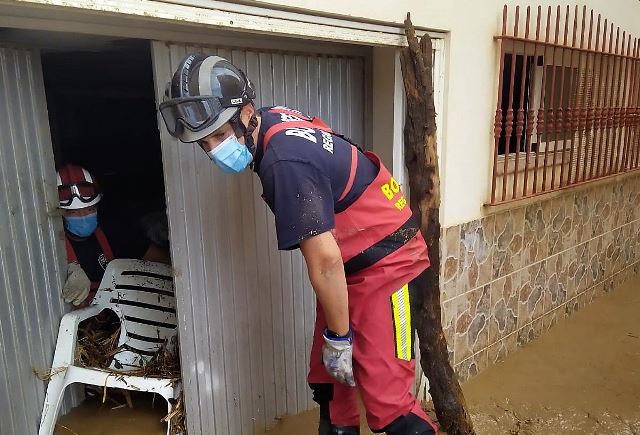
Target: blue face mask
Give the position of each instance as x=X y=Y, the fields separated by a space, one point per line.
x=231 y=156
x=82 y=226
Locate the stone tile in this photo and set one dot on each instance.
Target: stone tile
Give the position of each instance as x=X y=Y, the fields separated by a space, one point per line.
x=535 y=240
x=581 y=217
x=616 y=261
x=595 y=272
x=485 y=259
x=450 y=254
x=586 y=297
x=616 y=281
x=508 y=243
x=591 y=294
x=449 y=289
x=497 y=352
x=598 y=201
x=551 y=318
x=473 y=365
x=606 y=286
x=609 y=249
x=504 y=307
x=631 y=274
x=635 y=241
x=618 y=215
x=476 y=248
x=448 y=278
x=557 y=282
x=533 y=285
x=571 y=260
x=462 y=284
x=571 y=306
x=449 y=237
x=628 y=243
x=560 y=225
x=529 y=332
x=449 y=312
x=632 y=196
x=582 y=267
x=472 y=323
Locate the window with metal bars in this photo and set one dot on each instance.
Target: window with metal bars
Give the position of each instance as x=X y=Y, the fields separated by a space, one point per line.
x=568 y=103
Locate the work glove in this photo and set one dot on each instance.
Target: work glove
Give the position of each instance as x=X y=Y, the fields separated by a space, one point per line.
x=337 y=356
x=76 y=288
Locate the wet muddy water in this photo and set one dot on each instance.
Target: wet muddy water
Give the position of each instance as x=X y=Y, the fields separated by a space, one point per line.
x=95 y=418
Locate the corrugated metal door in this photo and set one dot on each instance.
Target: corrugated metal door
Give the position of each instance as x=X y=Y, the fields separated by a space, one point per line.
x=31 y=249
x=246 y=311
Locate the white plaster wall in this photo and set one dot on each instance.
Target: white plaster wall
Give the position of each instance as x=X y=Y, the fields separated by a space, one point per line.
x=471 y=79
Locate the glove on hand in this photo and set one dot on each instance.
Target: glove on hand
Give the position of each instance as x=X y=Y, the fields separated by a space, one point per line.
x=337 y=357
x=76 y=288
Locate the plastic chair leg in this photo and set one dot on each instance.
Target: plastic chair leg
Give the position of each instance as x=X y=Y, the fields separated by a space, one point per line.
x=52 y=402
x=168 y=394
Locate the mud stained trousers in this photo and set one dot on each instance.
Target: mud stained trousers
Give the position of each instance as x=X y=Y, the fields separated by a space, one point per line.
x=383 y=360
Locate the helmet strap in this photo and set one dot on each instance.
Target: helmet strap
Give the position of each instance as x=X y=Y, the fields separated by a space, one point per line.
x=245 y=131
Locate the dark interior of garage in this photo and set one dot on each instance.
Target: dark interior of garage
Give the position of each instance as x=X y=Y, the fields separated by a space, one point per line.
x=102 y=116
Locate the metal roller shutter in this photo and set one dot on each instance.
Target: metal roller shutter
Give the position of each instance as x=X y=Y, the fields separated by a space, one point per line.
x=32 y=254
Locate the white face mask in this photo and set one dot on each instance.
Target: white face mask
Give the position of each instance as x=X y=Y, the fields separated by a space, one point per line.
x=231 y=156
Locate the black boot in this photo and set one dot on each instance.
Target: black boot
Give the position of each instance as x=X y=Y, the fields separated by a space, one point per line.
x=326 y=428
x=409 y=424
x=322 y=395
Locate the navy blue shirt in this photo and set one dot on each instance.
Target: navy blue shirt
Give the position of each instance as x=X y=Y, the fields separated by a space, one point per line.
x=303 y=173
x=125 y=240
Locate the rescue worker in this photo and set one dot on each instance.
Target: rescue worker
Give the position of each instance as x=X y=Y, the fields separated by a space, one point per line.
x=91 y=247
x=346 y=213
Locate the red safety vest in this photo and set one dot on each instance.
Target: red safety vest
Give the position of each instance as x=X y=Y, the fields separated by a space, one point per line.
x=375 y=225
x=73 y=258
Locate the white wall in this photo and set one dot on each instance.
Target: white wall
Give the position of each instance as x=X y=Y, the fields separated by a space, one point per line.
x=471 y=79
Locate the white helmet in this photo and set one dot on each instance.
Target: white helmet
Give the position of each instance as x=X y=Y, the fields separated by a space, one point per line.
x=76 y=188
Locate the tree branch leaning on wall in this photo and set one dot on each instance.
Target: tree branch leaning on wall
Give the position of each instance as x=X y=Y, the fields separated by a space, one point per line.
x=421 y=160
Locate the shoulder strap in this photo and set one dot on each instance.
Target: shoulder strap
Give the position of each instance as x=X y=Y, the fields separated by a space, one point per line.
x=104 y=244
x=352 y=173
x=317 y=124
x=289 y=112
x=293 y=124
x=71 y=253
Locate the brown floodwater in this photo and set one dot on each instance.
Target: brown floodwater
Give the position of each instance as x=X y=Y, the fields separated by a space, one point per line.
x=581 y=377
x=93 y=417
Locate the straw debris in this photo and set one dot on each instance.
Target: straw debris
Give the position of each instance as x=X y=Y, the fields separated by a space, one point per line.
x=46 y=375
x=96 y=345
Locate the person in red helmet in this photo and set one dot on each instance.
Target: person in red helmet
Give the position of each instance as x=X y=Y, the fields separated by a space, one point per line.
x=90 y=247
x=343 y=209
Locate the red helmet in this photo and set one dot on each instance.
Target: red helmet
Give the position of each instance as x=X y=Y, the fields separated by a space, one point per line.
x=77 y=188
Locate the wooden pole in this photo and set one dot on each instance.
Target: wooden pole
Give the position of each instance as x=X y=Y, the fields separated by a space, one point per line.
x=421 y=160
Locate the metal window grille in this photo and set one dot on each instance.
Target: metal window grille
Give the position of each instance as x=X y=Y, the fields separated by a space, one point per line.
x=568 y=108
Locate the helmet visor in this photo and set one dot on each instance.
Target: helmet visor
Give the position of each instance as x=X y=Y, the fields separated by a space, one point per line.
x=85 y=192
x=194 y=113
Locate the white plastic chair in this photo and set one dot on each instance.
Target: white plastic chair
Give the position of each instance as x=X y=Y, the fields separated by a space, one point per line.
x=141 y=294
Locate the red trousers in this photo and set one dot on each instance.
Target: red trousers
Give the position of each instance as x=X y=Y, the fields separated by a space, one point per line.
x=383 y=361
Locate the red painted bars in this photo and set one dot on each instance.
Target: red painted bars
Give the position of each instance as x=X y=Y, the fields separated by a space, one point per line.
x=577 y=114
